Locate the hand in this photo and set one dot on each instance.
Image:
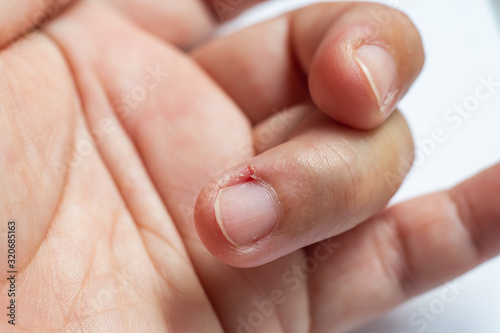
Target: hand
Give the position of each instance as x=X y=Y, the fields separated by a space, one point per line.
x=110 y=131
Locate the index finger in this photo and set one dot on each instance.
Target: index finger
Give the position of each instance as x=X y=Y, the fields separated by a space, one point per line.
x=354 y=60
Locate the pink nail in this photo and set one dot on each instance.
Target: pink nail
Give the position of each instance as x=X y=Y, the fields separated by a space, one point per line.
x=380 y=70
x=246 y=212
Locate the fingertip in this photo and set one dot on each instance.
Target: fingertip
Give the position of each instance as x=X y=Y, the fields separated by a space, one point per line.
x=309 y=188
x=363 y=64
x=233 y=213
x=352 y=82
x=204 y=217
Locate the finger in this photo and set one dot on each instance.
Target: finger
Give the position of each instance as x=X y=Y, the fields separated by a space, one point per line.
x=358 y=60
x=408 y=249
x=325 y=180
x=225 y=10
x=278 y=128
x=183 y=23
x=19 y=18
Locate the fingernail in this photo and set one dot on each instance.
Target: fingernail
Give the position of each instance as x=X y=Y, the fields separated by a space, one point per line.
x=246 y=213
x=380 y=70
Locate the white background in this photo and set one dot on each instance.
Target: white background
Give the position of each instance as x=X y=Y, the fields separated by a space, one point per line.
x=462 y=43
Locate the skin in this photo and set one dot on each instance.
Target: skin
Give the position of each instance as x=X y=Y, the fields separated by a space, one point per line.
x=111 y=129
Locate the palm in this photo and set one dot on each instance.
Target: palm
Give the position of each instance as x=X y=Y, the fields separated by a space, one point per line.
x=100 y=249
x=109 y=134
